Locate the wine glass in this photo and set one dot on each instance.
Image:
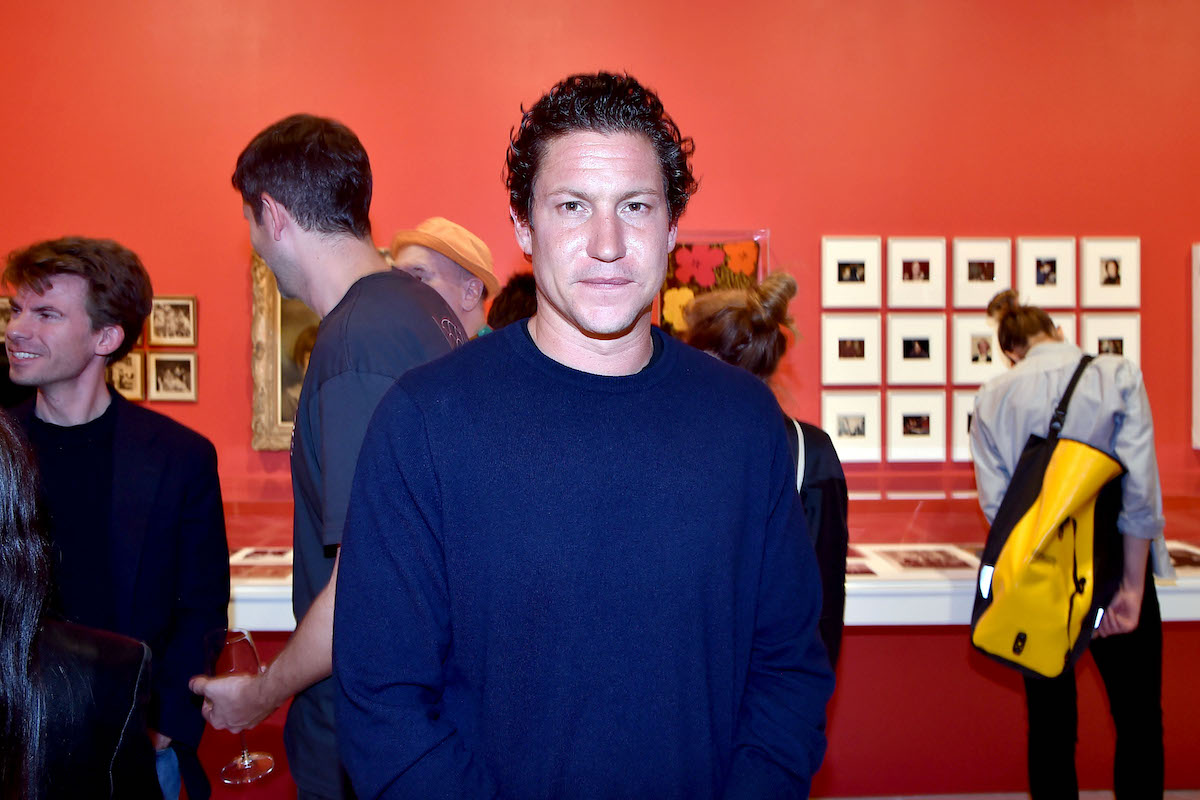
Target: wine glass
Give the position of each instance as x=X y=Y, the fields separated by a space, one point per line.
x=232 y=652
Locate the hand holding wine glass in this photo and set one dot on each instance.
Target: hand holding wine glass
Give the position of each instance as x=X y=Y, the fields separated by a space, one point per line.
x=232 y=652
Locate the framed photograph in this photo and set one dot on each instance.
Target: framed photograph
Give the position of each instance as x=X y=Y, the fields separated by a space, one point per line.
x=916 y=426
x=707 y=261
x=282 y=333
x=5 y=315
x=851 y=349
x=128 y=376
x=926 y=558
x=1110 y=273
x=982 y=267
x=854 y=423
x=171 y=376
x=1067 y=323
x=1118 y=334
x=851 y=276
x=916 y=273
x=1046 y=271
x=962 y=409
x=173 y=321
x=916 y=349
x=975 y=352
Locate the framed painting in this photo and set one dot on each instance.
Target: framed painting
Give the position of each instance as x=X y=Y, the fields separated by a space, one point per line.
x=851 y=349
x=982 y=267
x=916 y=349
x=1046 y=271
x=916 y=272
x=852 y=420
x=128 y=376
x=282 y=332
x=173 y=321
x=976 y=354
x=707 y=262
x=1110 y=274
x=1116 y=334
x=171 y=376
x=851 y=275
x=916 y=424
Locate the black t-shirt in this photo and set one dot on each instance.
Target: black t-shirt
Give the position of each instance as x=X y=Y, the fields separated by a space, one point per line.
x=76 y=482
x=387 y=323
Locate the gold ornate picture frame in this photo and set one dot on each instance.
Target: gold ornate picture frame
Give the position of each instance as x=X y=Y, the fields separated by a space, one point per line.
x=276 y=326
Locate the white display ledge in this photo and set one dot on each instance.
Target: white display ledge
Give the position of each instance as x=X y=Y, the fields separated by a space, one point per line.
x=897 y=584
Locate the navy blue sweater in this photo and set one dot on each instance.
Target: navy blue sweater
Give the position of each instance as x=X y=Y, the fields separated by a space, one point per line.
x=558 y=584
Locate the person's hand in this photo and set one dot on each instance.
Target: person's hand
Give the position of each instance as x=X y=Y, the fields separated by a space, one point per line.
x=233 y=702
x=1122 y=613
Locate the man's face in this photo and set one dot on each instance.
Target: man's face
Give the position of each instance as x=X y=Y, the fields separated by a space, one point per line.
x=50 y=340
x=434 y=269
x=599 y=231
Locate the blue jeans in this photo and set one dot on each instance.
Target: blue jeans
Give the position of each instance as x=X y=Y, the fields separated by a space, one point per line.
x=167 y=764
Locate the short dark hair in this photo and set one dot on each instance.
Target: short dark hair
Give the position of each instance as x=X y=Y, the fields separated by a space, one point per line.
x=119 y=290
x=316 y=167
x=608 y=104
x=516 y=301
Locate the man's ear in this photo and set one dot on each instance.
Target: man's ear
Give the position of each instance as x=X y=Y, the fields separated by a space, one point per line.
x=472 y=293
x=671 y=237
x=274 y=217
x=111 y=337
x=523 y=232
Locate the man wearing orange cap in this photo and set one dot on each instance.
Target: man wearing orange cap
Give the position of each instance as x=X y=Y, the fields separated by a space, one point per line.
x=454 y=262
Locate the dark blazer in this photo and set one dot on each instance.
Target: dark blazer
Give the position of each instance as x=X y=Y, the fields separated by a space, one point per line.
x=826 y=507
x=96 y=687
x=169 y=528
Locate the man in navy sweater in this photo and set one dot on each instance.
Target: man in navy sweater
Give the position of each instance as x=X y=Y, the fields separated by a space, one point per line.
x=574 y=563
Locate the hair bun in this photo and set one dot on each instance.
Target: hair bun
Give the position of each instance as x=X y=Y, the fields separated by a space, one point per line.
x=773 y=296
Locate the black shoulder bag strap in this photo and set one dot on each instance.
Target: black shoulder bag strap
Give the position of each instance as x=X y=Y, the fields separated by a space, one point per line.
x=1060 y=413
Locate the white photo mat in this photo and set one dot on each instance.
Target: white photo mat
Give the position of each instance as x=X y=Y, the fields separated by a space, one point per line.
x=1110 y=272
x=916 y=272
x=974 y=261
x=908 y=335
x=841 y=415
x=916 y=426
x=851 y=349
x=858 y=258
x=962 y=406
x=975 y=354
x=1054 y=258
x=1068 y=323
x=1099 y=331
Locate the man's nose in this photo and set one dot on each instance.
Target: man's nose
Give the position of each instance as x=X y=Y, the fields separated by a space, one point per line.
x=607 y=240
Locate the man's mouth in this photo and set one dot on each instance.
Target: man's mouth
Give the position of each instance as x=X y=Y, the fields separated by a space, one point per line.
x=18 y=355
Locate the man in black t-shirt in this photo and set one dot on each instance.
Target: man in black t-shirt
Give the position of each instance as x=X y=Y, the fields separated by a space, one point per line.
x=133 y=499
x=306 y=188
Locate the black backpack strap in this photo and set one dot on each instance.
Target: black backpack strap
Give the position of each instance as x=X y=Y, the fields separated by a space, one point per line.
x=1060 y=413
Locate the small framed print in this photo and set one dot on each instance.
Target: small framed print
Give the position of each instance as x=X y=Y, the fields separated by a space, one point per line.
x=916 y=273
x=128 y=376
x=916 y=349
x=171 y=376
x=976 y=354
x=851 y=349
x=5 y=315
x=1110 y=273
x=916 y=426
x=173 y=321
x=850 y=272
x=1066 y=322
x=982 y=267
x=1046 y=271
x=1116 y=334
x=854 y=423
x=962 y=412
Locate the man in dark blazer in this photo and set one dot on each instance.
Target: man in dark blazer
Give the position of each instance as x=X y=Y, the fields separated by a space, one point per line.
x=133 y=499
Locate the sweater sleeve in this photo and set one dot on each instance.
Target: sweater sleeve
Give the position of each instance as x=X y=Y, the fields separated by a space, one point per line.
x=392 y=631
x=780 y=738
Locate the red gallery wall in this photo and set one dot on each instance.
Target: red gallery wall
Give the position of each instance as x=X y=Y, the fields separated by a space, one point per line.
x=811 y=117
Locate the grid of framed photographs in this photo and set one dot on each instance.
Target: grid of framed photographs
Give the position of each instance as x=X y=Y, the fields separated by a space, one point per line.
x=158 y=368
x=901 y=365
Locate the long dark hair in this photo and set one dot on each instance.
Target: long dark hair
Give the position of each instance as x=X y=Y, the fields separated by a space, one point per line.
x=1017 y=324
x=24 y=578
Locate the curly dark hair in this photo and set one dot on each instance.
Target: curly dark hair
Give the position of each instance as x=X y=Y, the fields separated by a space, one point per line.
x=316 y=168
x=608 y=104
x=119 y=290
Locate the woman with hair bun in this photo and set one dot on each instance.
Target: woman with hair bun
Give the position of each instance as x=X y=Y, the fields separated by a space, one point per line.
x=745 y=328
x=72 y=699
x=1110 y=411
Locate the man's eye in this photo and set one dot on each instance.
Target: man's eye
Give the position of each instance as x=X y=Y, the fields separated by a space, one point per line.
x=572 y=205
x=636 y=206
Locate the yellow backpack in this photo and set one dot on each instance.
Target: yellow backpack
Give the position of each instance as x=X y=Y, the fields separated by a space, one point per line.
x=1053 y=555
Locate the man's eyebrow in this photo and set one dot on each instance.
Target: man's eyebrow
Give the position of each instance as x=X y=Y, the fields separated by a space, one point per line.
x=585 y=195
